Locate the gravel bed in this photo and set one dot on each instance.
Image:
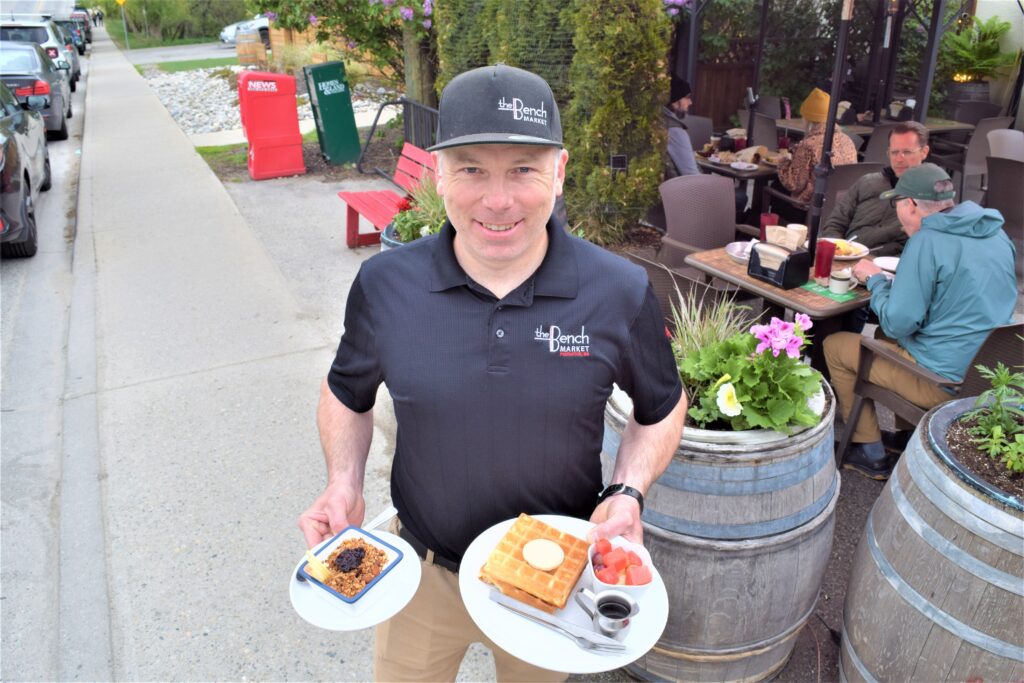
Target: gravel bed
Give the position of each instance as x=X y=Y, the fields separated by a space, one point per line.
x=203 y=101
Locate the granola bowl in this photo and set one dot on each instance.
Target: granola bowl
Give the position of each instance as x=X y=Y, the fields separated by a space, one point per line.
x=355 y=560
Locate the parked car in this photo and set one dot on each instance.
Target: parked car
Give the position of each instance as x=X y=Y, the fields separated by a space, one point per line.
x=74 y=27
x=28 y=72
x=24 y=172
x=258 y=23
x=49 y=36
x=72 y=51
x=83 y=16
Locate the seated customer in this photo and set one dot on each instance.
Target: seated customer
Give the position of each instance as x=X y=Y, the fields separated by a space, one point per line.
x=680 y=149
x=860 y=215
x=797 y=174
x=955 y=282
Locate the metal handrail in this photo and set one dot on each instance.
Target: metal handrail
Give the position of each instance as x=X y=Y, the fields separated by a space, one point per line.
x=419 y=128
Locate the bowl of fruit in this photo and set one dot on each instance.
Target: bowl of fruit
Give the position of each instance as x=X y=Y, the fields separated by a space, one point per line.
x=619 y=564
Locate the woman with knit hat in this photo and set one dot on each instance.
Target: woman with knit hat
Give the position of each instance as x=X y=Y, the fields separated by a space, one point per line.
x=797 y=174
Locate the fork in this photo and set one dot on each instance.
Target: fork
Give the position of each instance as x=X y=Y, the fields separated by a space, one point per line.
x=581 y=641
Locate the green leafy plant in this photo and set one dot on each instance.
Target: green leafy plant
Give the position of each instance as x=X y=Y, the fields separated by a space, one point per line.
x=700 y=321
x=997 y=412
x=753 y=380
x=422 y=215
x=974 y=53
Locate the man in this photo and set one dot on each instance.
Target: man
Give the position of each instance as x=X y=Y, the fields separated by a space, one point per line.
x=859 y=215
x=499 y=340
x=680 y=148
x=955 y=282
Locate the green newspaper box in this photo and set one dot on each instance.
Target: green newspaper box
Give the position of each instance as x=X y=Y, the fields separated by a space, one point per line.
x=331 y=99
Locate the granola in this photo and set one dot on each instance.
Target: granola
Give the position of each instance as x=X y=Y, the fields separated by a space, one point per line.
x=353 y=565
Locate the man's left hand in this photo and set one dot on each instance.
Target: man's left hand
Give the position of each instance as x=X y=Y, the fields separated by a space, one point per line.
x=617 y=515
x=865 y=269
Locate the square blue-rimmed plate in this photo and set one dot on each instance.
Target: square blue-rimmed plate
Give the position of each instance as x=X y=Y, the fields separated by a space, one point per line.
x=394 y=557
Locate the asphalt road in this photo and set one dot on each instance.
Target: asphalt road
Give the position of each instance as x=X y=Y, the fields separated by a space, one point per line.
x=180 y=53
x=35 y=317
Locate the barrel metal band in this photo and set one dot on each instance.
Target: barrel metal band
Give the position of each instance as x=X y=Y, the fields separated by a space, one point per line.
x=968 y=498
x=723 y=531
x=736 y=481
x=973 y=516
x=857 y=664
x=960 y=557
x=956 y=627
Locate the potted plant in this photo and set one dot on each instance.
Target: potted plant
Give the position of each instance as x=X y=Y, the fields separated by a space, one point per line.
x=745 y=510
x=421 y=214
x=942 y=554
x=973 y=55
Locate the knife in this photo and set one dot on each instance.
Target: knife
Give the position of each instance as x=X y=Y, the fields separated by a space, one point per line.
x=538 y=615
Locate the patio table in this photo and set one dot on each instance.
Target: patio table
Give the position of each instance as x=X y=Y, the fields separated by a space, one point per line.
x=935 y=126
x=827 y=313
x=760 y=175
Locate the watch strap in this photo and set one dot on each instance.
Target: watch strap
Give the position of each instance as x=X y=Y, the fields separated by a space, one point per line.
x=616 y=489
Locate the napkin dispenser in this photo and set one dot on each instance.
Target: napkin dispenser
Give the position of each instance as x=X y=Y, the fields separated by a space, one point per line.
x=785 y=268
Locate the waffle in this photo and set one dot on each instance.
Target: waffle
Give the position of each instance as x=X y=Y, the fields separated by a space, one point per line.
x=512 y=575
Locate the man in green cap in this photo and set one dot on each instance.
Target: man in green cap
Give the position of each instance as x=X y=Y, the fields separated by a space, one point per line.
x=955 y=282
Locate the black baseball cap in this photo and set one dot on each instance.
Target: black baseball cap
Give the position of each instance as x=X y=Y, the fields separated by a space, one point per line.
x=497 y=105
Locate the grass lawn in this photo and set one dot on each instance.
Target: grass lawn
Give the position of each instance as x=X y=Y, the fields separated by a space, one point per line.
x=115 y=29
x=190 y=64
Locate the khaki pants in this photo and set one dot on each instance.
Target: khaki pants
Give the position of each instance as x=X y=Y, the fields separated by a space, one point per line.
x=427 y=640
x=842 y=353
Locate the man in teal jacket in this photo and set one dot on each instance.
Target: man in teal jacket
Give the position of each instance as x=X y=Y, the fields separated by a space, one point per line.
x=955 y=282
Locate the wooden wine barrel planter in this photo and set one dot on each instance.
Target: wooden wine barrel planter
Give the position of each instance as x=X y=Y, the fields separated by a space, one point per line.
x=936 y=590
x=251 y=50
x=741 y=533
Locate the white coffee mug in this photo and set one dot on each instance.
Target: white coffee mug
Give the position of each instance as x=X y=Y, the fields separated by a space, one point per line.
x=840 y=281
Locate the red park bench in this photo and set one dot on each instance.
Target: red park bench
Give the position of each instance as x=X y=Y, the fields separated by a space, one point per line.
x=380 y=206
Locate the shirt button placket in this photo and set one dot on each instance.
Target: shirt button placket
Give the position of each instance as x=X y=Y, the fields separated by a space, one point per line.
x=498 y=355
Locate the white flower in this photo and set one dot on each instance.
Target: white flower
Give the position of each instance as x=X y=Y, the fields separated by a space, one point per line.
x=727 y=401
x=424 y=231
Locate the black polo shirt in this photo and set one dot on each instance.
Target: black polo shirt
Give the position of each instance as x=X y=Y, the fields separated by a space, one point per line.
x=500 y=403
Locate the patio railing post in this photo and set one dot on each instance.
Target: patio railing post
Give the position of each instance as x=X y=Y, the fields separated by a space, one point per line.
x=824 y=167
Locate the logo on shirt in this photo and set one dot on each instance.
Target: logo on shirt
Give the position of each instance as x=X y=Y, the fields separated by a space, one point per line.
x=520 y=112
x=567 y=345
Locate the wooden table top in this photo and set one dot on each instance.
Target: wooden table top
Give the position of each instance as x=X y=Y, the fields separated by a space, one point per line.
x=717 y=263
x=933 y=124
x=763 y=171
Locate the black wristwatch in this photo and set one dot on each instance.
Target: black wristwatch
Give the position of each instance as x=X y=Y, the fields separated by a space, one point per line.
x=616 y=489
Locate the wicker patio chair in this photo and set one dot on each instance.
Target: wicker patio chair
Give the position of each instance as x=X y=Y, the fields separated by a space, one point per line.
x=877 y=150
x=1004 y=194
x=1001 y=345
x=1006 y=143
x=842 y=179
x=968 y=160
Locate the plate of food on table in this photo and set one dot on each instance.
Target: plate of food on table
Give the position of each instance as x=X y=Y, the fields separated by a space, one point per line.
x=538 y=589
x=847 y=250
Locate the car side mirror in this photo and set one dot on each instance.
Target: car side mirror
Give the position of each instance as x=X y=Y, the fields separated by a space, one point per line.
x=63 y=65
x=36 y=102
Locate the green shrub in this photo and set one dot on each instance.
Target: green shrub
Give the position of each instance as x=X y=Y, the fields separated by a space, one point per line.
x=997 y=411
x=618 y=86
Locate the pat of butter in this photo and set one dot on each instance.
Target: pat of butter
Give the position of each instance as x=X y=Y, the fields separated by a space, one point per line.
x=543 y=554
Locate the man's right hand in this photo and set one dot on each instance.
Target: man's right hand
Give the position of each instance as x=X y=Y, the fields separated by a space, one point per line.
x=337 y=507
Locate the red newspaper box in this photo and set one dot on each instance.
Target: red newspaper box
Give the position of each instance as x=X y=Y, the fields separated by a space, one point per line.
x=270 y=121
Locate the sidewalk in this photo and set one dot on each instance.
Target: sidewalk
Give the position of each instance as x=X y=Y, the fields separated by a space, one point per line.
x=197 y=369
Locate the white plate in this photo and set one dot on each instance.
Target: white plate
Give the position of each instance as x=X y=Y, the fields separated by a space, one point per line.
x=743 y=166
x=739 y=251
x=384 y=600
x=887 y=263
x=861 y=253
x=538 y=644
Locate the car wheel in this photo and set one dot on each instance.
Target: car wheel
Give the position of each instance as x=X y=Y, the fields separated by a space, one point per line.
x=62 y=134
x=47 y=174
x=70 y=111
x=74 y=85
x=81 y=50
x=30 y=244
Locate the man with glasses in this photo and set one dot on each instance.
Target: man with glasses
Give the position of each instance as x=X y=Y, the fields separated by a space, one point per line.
x=859 y=215
x=954 y=283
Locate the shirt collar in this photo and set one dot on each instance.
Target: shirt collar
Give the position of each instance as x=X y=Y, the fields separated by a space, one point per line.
x=557 y=276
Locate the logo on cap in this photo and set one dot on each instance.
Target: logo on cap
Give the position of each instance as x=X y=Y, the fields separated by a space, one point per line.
x=520 y=112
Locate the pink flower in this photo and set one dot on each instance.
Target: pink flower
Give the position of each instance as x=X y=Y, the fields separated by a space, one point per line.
x=427 y=23
x=778 y=336
x=804 y=321
x=406 y=13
